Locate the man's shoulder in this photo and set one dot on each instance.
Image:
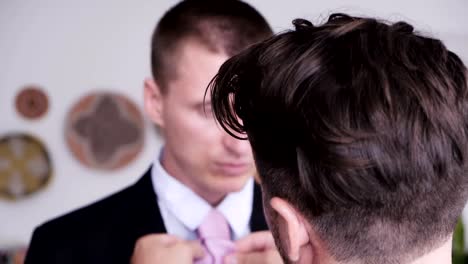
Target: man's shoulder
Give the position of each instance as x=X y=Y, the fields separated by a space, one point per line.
x=83 y=235
x=109 y=212
x=102 y=232
x=104 y=212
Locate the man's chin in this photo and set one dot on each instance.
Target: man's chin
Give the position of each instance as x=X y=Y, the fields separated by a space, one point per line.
x=232 y=184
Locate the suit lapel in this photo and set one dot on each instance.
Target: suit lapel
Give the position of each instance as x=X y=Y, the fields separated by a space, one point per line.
x=139 y=216
x=147 y=216
x=257 y=219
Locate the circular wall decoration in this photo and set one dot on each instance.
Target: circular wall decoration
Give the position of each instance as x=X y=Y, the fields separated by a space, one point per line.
x=105 y=131
x=32 y=102
x=25 y=165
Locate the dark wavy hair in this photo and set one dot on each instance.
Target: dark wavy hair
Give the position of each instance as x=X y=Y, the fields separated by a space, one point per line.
x=361 y=125
x=227 y=26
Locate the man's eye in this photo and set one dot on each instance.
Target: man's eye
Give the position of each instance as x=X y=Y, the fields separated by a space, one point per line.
x=207 y=112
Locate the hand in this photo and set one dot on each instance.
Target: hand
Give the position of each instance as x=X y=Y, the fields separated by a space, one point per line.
x=258 y=247
x=163 y=248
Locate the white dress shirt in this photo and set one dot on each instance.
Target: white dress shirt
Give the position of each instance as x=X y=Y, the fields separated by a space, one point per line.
x=182 y=210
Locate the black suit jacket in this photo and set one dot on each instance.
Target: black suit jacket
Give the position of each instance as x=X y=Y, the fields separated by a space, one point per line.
x=106 y=231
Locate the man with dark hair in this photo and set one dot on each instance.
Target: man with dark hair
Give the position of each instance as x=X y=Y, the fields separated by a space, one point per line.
x=202 y=178
x=359 y=131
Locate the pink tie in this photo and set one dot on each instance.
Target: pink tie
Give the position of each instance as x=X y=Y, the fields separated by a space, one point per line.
x=215 y=237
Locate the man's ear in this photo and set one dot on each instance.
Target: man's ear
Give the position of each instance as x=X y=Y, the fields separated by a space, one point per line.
x=153 y=101
x=296 y=230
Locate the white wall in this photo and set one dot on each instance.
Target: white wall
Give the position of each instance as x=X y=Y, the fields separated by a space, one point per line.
x=72 y=47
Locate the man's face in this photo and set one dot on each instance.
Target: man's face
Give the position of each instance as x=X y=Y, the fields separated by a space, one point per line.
x=197 y=151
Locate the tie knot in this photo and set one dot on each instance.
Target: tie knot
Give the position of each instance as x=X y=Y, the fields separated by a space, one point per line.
x=214 y=226
x=215 y=237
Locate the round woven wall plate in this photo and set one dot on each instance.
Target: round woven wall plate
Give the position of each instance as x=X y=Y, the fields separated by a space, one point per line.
x=32 y=102
x=105 y=131
x=25 y=165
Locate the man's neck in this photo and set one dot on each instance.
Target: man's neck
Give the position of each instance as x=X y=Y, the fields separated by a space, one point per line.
x=440 y=255
x=169 y=164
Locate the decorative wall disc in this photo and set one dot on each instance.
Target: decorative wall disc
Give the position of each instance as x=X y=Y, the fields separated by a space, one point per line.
x=105 y=131
x=32 y=102
x=25 y=165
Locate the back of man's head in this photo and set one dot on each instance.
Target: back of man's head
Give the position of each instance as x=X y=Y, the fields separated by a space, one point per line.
x=225 y=27
x=362 y=126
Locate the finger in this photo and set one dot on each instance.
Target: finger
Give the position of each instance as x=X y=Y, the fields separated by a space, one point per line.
x=160 y=239
x=257 y=241
x=269 y=256
x=196 y=249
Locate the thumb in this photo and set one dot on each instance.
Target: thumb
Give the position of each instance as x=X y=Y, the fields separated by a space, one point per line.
x=232 y=258
x=197 y=249
x=257 y=241
x=241 y=258
x=268 y=256
x=164 y=239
